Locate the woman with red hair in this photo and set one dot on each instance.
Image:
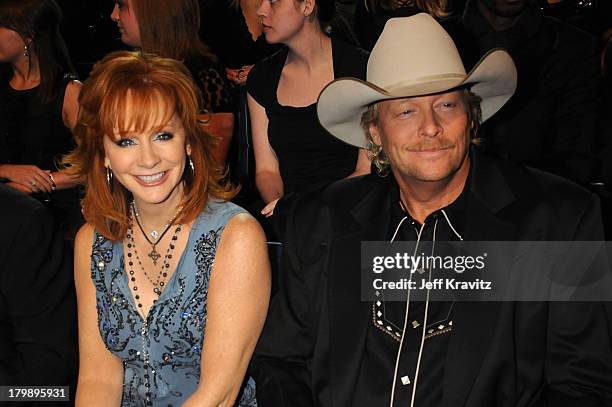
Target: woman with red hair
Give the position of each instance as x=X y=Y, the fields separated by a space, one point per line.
x=172 y=280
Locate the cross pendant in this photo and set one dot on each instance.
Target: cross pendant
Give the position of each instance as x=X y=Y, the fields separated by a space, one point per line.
x=154 y=255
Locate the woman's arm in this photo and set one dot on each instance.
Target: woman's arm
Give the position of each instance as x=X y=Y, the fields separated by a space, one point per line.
x=238 y=298
x=220 y=125
x=100 y=372
x=70 y=114
x=364 y=164
x=70 y=110
x=63 y=180
x=267 y=174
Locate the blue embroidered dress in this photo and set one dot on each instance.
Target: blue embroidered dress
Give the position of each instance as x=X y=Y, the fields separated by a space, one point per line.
x=161 y=356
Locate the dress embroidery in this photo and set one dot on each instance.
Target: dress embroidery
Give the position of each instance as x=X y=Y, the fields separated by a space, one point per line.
x=161 y=355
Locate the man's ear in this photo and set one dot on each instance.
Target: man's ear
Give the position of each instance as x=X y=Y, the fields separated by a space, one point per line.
x=374 y=133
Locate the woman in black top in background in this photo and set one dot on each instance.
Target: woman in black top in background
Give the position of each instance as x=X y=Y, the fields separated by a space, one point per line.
x=293 y=153
x=38 y=106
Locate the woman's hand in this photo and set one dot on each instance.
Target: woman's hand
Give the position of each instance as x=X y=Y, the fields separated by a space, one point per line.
x=268 y=210
x=238 y=76
x=30 y=176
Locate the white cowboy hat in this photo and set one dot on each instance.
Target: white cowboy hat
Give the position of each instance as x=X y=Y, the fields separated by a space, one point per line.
x=414 y=56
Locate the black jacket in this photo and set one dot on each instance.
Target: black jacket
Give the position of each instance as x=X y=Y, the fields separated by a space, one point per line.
x=38 y=339
x=506 y=354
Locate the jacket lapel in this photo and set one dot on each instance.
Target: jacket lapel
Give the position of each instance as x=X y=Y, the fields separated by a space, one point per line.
x=349 y=315
x=475 y=321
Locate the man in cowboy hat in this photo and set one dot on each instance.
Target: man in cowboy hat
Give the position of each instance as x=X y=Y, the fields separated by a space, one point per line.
x=323 y=345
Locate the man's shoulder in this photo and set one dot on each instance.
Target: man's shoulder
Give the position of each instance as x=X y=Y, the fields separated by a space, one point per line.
x=347 y=193
x=333 y=203
x=570 y=40
x=16 y=206
x=536 y=188
x=23 y=220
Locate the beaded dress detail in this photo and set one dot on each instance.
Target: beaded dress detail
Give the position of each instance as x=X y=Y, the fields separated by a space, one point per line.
x=161 y=355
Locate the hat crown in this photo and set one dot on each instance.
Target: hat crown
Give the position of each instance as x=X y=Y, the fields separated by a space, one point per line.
x=414 y=56
x=399 y=57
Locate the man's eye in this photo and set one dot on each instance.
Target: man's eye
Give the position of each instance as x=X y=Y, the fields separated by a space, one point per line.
x=163 y=136
x=125 y=142
x=406 y=112
x=449 y=105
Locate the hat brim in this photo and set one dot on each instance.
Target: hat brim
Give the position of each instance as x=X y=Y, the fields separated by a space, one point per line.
x=342 y=102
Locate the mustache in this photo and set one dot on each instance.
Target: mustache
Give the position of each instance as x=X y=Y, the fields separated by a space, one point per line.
x=430 y=145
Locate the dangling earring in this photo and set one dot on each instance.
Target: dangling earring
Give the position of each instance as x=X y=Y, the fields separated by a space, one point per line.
x=109 y=178
x=191 y=164
x=26 y=54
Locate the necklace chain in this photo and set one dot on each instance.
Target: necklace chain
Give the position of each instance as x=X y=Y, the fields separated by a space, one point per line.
x=160 y=281
x=154 y=254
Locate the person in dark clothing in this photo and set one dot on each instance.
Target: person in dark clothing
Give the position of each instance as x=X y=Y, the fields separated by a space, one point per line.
x=325 y=345
x=550 y=122
x=38 y=344
x=234 y=33
x=371 y=15
x=293 y=153
x=38 y=107
x=593 y=16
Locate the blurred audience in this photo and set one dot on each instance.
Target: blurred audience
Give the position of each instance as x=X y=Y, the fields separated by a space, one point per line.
x=38 y=107
x=593 y=16
x=550 y=122
x=371 y=15
x=234 y=33
x=88 y=32
x=170 y=28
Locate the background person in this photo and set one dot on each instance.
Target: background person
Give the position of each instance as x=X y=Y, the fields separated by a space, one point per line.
x=170 y=28
x=160 y=324
x=551 y=121
x=38 y=106
x=234 y=33
x=293 y=153
x=371 y=15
